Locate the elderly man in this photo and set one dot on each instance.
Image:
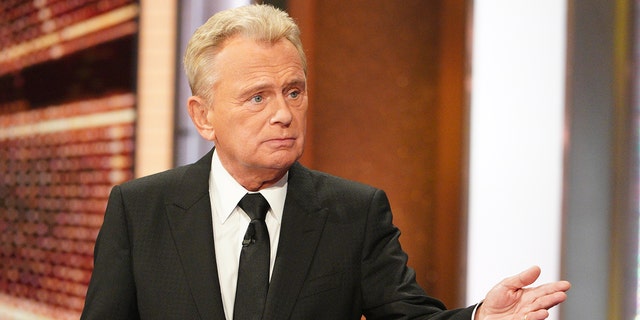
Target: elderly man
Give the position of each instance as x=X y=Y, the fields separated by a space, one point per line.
x=249 y=233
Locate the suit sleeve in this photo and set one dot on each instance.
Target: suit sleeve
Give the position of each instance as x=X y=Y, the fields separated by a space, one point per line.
x=112 y=293
x=389 y=286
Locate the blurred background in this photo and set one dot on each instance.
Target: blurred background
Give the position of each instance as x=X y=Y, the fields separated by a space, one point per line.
x=505 y=133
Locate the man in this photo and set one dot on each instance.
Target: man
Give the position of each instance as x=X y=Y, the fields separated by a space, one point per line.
x=172 y=245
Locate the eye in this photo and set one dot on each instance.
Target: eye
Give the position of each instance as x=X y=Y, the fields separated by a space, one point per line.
x=294 y=94
x=257 y=98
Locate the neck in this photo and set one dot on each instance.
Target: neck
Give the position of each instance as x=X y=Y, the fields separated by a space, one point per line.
x=255 y=179
x=258 y=182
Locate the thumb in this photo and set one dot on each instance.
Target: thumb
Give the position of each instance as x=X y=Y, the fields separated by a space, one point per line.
x=522 y=279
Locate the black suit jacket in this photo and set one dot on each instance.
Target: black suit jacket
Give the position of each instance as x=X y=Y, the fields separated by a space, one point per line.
x=338 y=255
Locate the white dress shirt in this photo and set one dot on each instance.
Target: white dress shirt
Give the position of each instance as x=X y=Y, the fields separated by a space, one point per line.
x=230 y=224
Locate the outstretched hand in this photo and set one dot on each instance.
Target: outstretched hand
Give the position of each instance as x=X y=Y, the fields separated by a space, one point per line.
x=512 y=300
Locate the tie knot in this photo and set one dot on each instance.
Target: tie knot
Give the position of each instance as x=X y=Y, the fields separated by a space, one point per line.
x=255 y=205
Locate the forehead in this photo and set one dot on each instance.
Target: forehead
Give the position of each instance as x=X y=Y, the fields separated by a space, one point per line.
x=240 y=53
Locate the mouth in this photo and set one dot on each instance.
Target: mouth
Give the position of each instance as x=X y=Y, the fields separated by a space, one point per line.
x=281 y=143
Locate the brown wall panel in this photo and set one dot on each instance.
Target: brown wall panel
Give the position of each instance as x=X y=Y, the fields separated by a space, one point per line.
x=377 y=95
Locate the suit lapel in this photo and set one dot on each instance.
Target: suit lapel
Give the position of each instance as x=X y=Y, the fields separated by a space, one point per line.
x=189 y=215
x=302 y=224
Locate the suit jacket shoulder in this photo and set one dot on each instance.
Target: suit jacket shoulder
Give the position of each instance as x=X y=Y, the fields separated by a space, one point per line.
x=183 y=185
x=154 y=256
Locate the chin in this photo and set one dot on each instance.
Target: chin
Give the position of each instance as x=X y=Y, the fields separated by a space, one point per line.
x=286 y=161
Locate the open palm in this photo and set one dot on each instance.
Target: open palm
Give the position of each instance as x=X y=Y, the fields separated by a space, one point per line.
x=511 y=299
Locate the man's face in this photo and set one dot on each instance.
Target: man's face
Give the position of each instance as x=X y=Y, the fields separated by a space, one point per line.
x=259 y=105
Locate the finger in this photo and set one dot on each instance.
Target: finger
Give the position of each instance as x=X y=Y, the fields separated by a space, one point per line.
x=537 y=315
x=522 y=279
x=553 y=292
x=548 y=301
x=551 y=287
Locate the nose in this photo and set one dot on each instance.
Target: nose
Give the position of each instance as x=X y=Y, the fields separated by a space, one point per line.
x=282 y=112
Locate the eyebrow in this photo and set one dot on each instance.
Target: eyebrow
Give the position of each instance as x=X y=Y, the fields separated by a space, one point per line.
x=262 y=86
x=298 y=82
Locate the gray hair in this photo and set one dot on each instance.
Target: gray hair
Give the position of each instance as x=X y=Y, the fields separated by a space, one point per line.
x=259 y=22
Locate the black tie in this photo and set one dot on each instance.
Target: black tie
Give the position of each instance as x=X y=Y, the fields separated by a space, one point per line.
x=253 y=272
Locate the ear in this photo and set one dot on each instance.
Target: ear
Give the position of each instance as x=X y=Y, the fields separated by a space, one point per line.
x=199 y=110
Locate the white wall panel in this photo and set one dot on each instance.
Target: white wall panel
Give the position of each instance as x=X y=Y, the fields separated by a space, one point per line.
x=517 y=96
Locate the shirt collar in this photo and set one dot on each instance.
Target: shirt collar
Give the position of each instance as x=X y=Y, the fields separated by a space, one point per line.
x=227 y=192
